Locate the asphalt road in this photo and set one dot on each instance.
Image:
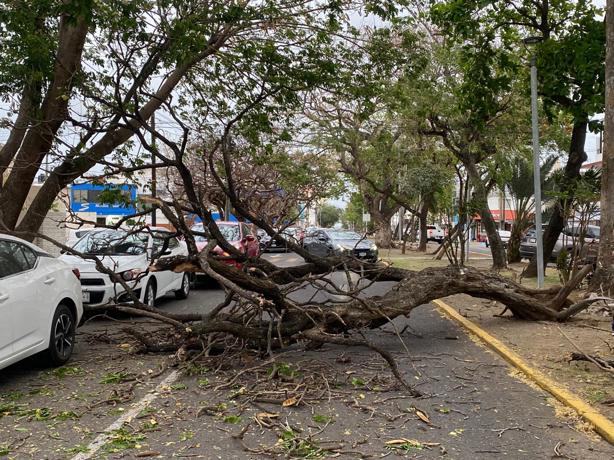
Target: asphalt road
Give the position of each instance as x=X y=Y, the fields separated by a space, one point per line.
x=474 y=407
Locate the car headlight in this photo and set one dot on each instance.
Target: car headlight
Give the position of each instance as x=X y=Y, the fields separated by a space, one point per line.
x=343 y=249
x=374 y=247
x=130 y=275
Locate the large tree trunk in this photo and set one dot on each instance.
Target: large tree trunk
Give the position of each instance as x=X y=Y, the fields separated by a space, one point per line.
x=383 y=231
x=577 y=156
x=27 y=105
x=422 y=216
x=604 y=277
x=54 y=111
x=481 y=195
x=513 y=245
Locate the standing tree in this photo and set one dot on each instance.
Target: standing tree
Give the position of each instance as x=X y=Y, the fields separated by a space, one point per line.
x=84 y=77
x=468 y=98
x=329 y=215
x=570 y=62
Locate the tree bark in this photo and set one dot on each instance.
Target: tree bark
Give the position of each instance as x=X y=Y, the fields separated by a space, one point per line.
x=577 y=156
x=513 y=245
x=381 y=213
x=604 y=277
x=481 y=195
x=383 y=232
x=27 y=105
x=422 y=216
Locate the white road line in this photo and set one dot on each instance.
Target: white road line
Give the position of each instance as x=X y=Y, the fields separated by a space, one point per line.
x=103 y=437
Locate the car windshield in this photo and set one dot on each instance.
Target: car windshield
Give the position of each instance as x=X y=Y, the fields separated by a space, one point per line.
x=113 y=243
x=345 y=235
x=594 y=232
x=229 y=231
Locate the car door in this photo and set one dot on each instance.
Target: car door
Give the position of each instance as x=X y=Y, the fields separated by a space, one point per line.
x=167 y=280
x=24 y=297
x=8 y=269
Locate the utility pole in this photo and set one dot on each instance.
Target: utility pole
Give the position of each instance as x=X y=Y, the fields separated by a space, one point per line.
x=539 y=246
x=154 y=184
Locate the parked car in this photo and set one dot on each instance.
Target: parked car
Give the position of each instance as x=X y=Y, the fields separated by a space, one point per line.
x=40 y=303
x=268 y=244
x=434 y=233
x=505 y=236
x=76 y=235
x=568 y=237
x=128 y=255
x=238 y=234
x=325 y=242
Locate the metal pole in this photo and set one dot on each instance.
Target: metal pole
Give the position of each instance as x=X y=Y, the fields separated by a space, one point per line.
x=537 y=178
x=154 y=184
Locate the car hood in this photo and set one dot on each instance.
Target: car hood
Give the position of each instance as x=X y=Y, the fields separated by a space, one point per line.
x=354 y=244
x=116 y=263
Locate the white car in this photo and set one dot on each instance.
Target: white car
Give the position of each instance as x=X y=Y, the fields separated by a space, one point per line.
x=76 y=235
x=505 y=236
x=128 y=255
x=434 y=233
x=40 y=303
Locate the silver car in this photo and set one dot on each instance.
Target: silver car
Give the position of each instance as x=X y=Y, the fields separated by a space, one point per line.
x=567 y=240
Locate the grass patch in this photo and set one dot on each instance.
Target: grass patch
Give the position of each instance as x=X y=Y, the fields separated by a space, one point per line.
x=322 y=419
x=12 y=396
x=285 y=370
x=67 y=415
x=115 y=377
x=596 y=395
x=232 y=419
x=65 y=371
x=122 y=439
x=78 y=449
x=178 y=386
x=195 y=369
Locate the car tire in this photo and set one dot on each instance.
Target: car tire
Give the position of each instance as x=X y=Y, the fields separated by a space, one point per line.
x=184 y=291
x=61 y=336
x=150 y=293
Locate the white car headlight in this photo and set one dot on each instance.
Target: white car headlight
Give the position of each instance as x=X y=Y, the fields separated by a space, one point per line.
x=374 y=247
x=130 y=275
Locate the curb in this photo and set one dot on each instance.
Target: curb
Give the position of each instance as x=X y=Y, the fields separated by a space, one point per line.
x=603 y=425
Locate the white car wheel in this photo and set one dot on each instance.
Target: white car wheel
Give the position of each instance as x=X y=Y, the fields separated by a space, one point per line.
x=184 y=291
x=62 y=337
x=150 y=294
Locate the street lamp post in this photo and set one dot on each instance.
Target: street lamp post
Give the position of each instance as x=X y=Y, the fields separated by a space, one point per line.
x=539 y=247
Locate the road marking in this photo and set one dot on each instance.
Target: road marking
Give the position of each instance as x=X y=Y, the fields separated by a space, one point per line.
x=603 y=426
x=103 y=437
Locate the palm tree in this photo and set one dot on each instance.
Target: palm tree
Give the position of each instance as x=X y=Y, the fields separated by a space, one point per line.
x=520 y=188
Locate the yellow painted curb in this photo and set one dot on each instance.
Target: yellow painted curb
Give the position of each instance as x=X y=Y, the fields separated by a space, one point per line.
x=603 y=426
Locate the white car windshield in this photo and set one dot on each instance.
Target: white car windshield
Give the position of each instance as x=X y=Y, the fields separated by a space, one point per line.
x=113 y=243
x=229 y=231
